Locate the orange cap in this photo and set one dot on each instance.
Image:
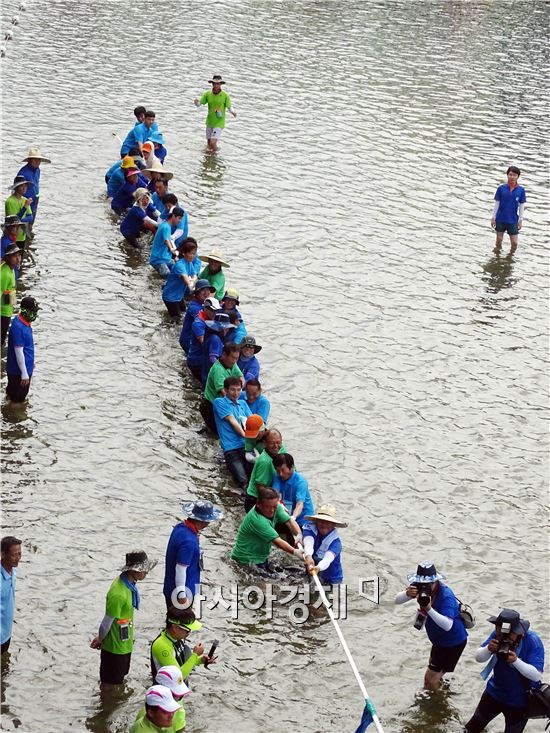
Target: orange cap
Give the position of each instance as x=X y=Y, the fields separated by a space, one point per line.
x=254 y=424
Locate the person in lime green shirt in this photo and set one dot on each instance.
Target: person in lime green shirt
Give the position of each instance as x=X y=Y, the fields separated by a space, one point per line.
x=116 y=632
x=264 y=471
x=8 y=268
x=213 y=271
x=160 y=711
x=169 y=648
x=171 y=677
x=225 y=366
x=20 y=206
x=258 y=532
x=218 y=102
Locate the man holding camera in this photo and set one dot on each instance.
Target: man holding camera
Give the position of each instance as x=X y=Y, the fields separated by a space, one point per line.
x=439 y=612
x=515 y=656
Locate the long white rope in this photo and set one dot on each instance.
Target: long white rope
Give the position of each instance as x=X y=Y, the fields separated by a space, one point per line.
x=9 y=33
x=348 y=653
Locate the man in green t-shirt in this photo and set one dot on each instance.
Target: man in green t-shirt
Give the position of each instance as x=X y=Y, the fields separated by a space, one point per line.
x=11 y=262
x=264 y=471
x=225 y=366
x=115 y=637
x=160 y=711
x=218 y=102
x=257 y=531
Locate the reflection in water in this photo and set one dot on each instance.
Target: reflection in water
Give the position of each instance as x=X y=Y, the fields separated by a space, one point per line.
x=433 y=712
x=211 y=174
x=498 y=273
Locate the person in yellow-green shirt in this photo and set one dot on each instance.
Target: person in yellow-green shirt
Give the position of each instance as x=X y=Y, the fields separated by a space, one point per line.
x=10 y=264
x=169 y=648
x=218 y=102
x=116 y=632
x=171 y=678
x=160 y=711
x=20 y=206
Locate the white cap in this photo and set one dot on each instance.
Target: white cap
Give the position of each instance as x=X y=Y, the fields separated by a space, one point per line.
x=214 y=303
x=160 y=696
x=171 y=678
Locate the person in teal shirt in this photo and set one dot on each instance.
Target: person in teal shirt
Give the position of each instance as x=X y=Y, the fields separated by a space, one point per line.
x=293 y=488
x=218 y=102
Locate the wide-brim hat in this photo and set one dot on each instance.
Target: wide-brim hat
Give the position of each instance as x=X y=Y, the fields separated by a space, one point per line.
x=13 y=249
x=250 y=341
x=35 y=153
x=201 y=285
x=11 y=221
x=19 y=181
x=139 y=562
x=202 y=511
x=509 y=616
x=425 y=573
x=327 y=513
x=216 y=79
x=215 y=255
x=157 y=167
x=217 y=326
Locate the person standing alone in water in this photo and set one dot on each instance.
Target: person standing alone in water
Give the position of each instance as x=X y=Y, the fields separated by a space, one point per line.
x=218 y=102
x=508 y=210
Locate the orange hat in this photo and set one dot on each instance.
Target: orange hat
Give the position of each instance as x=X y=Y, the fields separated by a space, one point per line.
x=254 y=423
x=149 y=145
x=127 y=162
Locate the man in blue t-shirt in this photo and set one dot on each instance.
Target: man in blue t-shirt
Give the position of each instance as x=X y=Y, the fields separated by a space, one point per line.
x=163 y=249
x=293 y=488
x=515 y=656
x=230 y=415
x=20 y=361
x=11 y=555
x=439 y=612
x=183 y=563
x=508 y=210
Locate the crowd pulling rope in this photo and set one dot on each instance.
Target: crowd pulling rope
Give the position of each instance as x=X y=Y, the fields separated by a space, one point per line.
x=8 y=35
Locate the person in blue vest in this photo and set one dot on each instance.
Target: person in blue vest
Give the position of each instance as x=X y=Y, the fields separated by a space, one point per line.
x=195 y=353
x=201 y=291
x=515 y=657
x=248 y=364
x=508 y=210
x=218 y=331
x=10 y=550
x=141 y=217
x=293 y=488
x=124 y=197
x=323 y=546
x=31 y=171
x=20 y=361
x=439 y=612
x=184 y=562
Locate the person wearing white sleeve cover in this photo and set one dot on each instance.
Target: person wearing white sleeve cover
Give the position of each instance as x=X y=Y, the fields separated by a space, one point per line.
x=439 y=612
x=515 y=661
x=322 y=545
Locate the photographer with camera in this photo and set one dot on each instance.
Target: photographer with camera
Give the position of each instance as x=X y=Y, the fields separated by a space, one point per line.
x=439 y=612
x=515 y=656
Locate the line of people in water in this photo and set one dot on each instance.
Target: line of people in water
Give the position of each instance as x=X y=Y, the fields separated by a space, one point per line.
x=279 y=510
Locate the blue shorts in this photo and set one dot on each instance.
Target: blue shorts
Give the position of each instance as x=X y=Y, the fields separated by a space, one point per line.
x=501 y=226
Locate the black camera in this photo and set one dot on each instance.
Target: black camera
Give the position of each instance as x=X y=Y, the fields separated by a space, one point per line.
x=424 y=595
x=504 y=643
